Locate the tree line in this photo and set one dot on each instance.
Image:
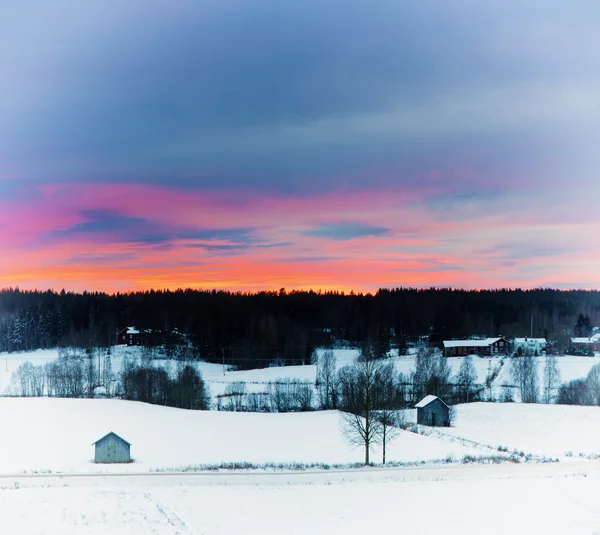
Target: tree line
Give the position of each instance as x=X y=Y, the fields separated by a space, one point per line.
x=252 y=330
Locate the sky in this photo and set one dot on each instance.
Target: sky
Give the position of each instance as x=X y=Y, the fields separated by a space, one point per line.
x=341 y=145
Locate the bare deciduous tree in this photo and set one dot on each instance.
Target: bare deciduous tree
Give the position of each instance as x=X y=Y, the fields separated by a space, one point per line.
x=525 y=375
x=466 y=379
x=235 y=394
x=290 y=395
x=389 y=400
x=28 y=380
x=358 y=386
x=327 y=383
x=551 y=378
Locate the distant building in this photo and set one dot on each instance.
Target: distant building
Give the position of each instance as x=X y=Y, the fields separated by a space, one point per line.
x=487 y=347
x=591 y=344
x=129 y=336
x=529 y=346
x=112 y=448
x=431 y=410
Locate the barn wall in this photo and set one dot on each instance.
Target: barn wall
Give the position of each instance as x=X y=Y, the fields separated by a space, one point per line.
x=112 y=450
x=425 y=415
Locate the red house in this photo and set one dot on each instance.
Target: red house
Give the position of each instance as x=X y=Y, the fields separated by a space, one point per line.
x=593 y=343
x=129 y=336
x=488 y=347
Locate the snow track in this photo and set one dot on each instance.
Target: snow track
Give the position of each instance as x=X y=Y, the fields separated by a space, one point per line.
x=557 y=498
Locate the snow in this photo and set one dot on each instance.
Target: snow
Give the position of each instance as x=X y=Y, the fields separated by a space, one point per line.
x=43 y=437
x=556 y=431
x=9 y=362
x=425 y=401
x=464 y=500
x=471 y=343
x=55 y=435
x=580 y=340
x=218 y=377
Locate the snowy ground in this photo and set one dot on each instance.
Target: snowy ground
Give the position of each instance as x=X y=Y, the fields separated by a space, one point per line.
x=517 y=499
x=217 y=377
x=41 y=435
x=558 y=431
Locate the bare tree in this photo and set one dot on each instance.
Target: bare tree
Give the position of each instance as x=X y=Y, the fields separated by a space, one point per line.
x=290 y=395
x=466 y=379
x=90 y=373
x=551 y=378
x=438 y=382
x=108 y=377
x=327 y=384
x=593 y=383
x=235 y=394
x=525 y=375
x=358 y=385
x=304 y=395
x=422 y=374
x=389 y=399
x=28 y=380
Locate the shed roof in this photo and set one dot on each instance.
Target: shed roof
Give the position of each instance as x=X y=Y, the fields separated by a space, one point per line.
x=107 y=435
x=426 y=401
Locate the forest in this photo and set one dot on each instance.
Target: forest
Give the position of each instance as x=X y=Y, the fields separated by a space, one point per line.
x=250 y=330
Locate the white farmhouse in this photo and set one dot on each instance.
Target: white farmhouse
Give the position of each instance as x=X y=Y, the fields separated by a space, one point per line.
x=529 y=346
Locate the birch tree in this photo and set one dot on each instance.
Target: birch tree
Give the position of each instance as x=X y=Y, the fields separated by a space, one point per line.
x=551 y=378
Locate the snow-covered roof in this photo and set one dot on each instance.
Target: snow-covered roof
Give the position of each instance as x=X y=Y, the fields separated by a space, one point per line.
x=530 y=340
x=470 y=343
x=582 y=340
x=426 y=401
x=132 y=330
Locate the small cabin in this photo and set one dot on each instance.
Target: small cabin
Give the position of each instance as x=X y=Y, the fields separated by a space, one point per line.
x=431 y=410
x=112 y=448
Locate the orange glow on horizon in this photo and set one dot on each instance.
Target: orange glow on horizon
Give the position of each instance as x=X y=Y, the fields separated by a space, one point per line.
x=130 y=237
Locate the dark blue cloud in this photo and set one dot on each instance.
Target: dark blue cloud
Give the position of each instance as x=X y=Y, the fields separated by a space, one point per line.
x=279 y=95
x=346 y=231
x=527 y=249
x=125 y=229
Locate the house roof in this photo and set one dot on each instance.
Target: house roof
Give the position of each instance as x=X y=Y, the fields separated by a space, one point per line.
x=426 y=401
x=530 y=340
x=582 y=340
x=471 y=343
x=107 y=435
x=132 y=330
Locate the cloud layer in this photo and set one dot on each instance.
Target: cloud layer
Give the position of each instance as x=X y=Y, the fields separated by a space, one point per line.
x=345 y=145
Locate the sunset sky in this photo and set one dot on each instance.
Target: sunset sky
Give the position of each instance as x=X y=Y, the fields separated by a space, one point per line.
x=346 y=145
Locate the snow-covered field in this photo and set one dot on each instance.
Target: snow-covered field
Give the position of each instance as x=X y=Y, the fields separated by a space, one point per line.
x=48 y=484
x=217 y=377
x=556 y=431
x=463 y=500
x=55 y=435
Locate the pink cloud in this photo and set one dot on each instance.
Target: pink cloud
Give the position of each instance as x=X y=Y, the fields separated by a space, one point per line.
x=424 y=246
